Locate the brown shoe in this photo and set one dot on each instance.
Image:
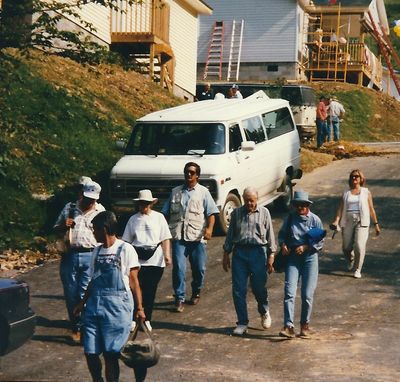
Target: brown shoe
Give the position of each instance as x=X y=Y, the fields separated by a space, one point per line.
x=195 y=299
x=179 y=306
x=76 y=337
x=287 y=332
x=305 y=331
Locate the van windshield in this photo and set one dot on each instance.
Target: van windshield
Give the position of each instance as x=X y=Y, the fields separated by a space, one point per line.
x=298 y=96
x=177 y=139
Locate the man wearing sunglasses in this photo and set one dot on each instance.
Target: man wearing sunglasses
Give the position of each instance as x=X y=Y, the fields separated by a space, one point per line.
x=190 y=212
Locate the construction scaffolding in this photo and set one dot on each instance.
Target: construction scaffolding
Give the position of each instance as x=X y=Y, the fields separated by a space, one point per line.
x=334 y=47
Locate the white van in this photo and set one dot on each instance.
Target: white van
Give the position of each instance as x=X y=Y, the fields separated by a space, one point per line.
x=237 y=143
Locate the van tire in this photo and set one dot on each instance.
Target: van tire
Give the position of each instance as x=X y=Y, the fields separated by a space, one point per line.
x=284 y=201
x=232 y=201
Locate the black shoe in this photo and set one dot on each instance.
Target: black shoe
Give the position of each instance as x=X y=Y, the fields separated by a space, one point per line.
x=194 y=300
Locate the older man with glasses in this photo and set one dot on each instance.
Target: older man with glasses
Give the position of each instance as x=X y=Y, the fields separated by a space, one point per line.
x=190 y=212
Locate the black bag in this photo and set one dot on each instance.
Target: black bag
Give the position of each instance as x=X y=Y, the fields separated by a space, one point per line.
x=140 y=353
x=145 y=252
x=280 y=262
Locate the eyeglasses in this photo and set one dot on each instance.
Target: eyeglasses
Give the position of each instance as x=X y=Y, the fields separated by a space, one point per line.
x=188 y=172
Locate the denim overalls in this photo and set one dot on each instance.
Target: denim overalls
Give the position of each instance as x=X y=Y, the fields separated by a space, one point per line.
x=108 y=311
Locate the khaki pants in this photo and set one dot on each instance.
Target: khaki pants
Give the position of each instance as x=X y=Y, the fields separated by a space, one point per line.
x=354 y=240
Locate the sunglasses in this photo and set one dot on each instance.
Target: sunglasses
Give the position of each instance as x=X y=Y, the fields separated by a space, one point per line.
x=190 y=172
x=354 y=176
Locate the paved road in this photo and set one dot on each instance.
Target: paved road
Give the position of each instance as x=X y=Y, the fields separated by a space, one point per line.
x=356 y=321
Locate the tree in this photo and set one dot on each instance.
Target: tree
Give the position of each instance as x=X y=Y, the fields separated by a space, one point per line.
x=26 y=24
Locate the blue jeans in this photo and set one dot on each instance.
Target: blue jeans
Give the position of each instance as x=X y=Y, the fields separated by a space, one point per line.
x=74 y=274
x=306 y=268
x=196 y=251
x=249 y=262
x=335 y=122
x=322 y=132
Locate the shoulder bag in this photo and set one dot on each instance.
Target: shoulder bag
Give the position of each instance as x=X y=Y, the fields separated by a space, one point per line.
x=140 y=352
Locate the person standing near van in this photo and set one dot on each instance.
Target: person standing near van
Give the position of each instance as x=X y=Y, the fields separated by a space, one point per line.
x=207 y=93
x=251 y=238
x=190 y=212
x=336 y=111
x=236 y=92
x=322 y=125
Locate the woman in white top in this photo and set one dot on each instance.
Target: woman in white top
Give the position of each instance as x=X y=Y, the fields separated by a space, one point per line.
x=148 y=232
x=353 y=215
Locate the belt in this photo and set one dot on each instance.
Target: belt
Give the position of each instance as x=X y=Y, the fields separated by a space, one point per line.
x=249 y=245
x=81 y=249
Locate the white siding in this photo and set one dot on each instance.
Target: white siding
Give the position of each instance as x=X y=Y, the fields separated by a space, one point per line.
x=98 y=16
x=270 y=29
x=183 y=40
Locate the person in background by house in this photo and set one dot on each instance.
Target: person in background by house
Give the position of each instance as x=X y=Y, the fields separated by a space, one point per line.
x=355 y=211
x=322 y=125
x=251 y=238
x=336 y=112
x=147 y=230
x=236 y=92
x=74 y=265
x=302 y=263
x=107 y=302
x=190 y=212
x=207 y=93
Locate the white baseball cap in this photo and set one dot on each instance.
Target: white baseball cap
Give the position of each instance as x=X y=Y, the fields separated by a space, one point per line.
x=92 y=190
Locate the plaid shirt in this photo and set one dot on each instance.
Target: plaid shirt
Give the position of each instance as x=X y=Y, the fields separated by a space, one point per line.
x=82 y=233
x=250 y=229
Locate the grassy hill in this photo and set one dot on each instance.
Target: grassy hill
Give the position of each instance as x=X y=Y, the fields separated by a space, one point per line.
x=60 y=120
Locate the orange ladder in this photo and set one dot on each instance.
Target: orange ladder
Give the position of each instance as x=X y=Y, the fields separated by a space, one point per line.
x=215 y=51
x=384 y=49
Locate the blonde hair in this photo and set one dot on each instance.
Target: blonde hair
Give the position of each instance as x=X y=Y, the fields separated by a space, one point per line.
x=361 y=175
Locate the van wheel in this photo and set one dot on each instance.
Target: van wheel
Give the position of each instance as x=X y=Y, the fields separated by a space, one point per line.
x=285 y=200
x=231 y=202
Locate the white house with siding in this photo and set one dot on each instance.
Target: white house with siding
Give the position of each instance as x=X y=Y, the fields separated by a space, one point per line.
x=161 y=34
x=280 y=40
x=165 y=30
x=271 y=40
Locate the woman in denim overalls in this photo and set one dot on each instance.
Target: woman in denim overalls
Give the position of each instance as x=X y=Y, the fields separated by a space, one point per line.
x=109 y=305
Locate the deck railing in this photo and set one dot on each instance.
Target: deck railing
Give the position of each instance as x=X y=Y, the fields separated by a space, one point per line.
x=343 y=56
x=148 y=17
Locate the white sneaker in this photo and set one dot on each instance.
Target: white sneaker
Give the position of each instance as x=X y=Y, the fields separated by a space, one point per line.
x=240 y=330
x=357 y=274
x=266 y=320
x=133 y=326
x=148 y=325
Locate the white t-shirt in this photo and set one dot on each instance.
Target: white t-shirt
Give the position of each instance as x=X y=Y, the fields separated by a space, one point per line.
x=128 y=255
x=148 y=230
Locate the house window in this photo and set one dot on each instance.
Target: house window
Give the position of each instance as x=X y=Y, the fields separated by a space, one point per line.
x=272 y=68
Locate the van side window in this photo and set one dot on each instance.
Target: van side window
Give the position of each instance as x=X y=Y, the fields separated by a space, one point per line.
x=235 y=138
x=278 y=122
x=254 y=129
